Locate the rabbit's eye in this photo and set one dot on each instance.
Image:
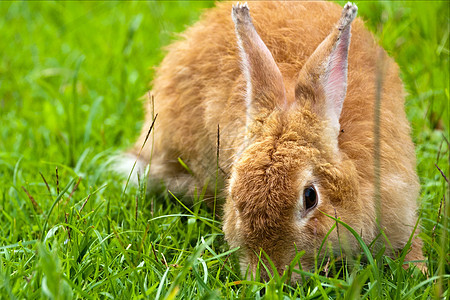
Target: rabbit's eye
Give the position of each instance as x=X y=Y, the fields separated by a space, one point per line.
x=310 y=197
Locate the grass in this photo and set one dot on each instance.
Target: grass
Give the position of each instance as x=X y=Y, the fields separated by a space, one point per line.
x=71 y=76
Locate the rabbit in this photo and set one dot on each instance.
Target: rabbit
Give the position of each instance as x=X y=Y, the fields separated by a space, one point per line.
x=279 y=108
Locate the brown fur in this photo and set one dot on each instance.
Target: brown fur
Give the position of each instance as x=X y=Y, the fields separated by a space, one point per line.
x=200 y=85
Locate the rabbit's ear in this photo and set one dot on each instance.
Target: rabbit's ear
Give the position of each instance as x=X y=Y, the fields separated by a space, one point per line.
x=323 y=78
x=265 y=88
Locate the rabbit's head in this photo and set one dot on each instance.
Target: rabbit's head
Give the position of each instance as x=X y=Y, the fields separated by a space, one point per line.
x=291 y=172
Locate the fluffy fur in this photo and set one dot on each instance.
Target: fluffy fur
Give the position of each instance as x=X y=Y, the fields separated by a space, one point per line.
x=272 y=147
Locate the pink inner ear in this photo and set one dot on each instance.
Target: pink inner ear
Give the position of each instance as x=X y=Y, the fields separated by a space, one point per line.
x=335 y=83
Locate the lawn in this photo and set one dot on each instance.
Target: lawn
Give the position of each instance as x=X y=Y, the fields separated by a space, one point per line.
x=72 y=77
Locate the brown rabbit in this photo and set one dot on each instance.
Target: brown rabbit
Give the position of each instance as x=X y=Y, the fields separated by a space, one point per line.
x=297 y=128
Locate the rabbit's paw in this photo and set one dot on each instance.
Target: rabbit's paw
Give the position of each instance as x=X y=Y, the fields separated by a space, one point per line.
x=348 y=14
x=241 y=13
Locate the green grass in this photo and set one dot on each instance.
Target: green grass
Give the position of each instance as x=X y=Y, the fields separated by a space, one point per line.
x=71 y=76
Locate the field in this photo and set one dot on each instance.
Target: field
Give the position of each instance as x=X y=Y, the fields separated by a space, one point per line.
x=72 y=77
